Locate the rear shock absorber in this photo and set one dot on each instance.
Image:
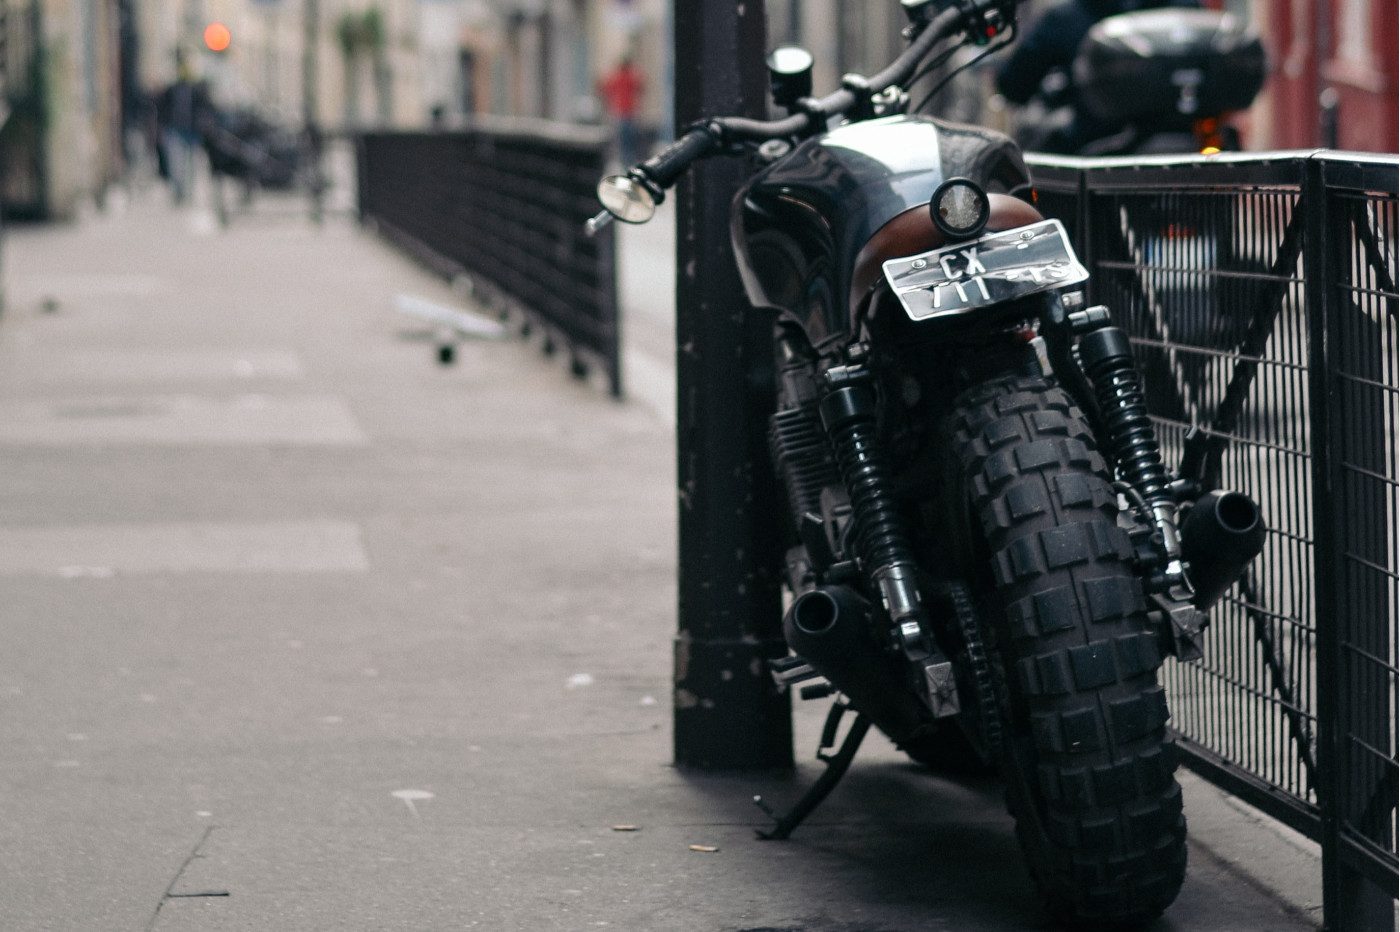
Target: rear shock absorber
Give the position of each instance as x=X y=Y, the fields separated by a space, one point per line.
x=1107 y=358
x=848 y=414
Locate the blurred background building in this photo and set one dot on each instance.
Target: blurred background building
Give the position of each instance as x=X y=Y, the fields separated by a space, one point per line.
x=77 y=76
x=59 y=75
x=1333 y=64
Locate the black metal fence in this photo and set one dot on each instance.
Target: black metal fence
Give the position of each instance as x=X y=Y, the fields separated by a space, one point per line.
x=1261 y=296
x=505 y=203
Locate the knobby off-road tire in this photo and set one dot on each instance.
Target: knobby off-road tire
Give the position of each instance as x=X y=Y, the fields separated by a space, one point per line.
x=1088 y=763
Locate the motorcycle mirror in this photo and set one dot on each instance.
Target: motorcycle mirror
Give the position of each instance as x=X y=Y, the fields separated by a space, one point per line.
x=789 y=75
x=626 y=198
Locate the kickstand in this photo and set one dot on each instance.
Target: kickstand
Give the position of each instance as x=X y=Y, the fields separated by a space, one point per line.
x=836 y=765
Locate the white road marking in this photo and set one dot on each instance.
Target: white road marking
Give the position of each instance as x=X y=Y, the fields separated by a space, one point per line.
x=409 y=797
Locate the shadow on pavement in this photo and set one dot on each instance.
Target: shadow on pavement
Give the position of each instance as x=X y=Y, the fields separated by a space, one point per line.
x=895 y=841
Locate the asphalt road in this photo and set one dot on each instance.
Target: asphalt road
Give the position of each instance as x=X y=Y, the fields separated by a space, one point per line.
x=301 y=631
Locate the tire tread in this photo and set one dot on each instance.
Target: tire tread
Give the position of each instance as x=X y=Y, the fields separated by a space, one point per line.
x=1106 y=839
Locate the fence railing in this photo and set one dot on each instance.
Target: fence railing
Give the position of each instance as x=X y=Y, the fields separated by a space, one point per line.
x=505 y=202
x=1260 y=293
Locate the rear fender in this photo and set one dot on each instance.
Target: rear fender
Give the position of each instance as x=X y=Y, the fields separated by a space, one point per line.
x=913 y=232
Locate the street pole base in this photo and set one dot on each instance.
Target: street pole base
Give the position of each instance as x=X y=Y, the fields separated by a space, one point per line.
x=729 y=713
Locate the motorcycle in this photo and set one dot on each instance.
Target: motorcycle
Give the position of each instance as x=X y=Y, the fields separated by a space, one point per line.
x=1150 y=82
x=1164 y=81
x=988 y=560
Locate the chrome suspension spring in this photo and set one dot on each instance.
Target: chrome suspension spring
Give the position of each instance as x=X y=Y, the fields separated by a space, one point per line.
x=1108 y=361
x=849 y=416
x=1121 y=398
x=880 y=540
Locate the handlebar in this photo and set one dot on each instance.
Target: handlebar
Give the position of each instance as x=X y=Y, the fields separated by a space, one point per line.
x=662 y=170
x=814 y=111
x=670 y=163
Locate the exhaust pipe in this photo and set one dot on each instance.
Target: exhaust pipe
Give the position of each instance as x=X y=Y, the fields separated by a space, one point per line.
x=1221 y=534
x=830 y=627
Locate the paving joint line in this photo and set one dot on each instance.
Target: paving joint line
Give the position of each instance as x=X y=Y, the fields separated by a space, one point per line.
x=170 y=893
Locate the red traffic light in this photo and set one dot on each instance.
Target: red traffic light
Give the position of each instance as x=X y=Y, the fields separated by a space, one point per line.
x=217 y=37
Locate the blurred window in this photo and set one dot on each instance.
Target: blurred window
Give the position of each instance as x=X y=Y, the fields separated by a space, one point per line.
x=1354 y=33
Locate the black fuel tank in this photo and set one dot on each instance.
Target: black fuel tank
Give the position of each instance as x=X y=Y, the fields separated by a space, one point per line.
x=800 y=223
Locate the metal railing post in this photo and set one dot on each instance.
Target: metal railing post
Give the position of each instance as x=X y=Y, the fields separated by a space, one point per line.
x=728 y=712
x=1353 y=701
x=1321 y=443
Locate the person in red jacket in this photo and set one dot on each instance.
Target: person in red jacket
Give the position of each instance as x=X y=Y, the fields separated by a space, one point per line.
x=621 y=90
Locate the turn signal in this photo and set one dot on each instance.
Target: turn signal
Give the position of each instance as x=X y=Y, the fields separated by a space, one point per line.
x=1209 y=135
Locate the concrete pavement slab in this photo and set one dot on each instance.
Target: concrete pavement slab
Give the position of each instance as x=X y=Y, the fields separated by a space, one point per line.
x=109 y=549
x=133 y=365
x=181 y=420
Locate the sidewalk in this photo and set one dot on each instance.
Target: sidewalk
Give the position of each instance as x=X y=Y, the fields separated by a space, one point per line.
x=302 y=631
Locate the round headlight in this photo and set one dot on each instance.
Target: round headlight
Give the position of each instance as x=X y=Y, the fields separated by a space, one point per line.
x=960 y=208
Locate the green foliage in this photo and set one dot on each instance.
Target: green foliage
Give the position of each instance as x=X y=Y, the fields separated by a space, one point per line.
x=361 y=33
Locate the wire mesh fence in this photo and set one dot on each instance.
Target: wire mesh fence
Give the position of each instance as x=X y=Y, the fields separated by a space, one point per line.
x=1260 y=294
x=1362 y=351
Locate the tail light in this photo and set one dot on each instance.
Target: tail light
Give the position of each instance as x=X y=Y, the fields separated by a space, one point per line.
x=1209 y=136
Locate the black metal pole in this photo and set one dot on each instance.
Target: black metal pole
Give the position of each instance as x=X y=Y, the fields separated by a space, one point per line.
x=728 y=713
x=1322 y=441
x=1349 y=532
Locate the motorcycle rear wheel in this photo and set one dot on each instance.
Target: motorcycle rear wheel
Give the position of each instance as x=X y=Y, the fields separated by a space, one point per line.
x=1087 y=759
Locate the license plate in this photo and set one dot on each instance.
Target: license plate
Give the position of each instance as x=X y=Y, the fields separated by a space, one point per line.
x=999 y=267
